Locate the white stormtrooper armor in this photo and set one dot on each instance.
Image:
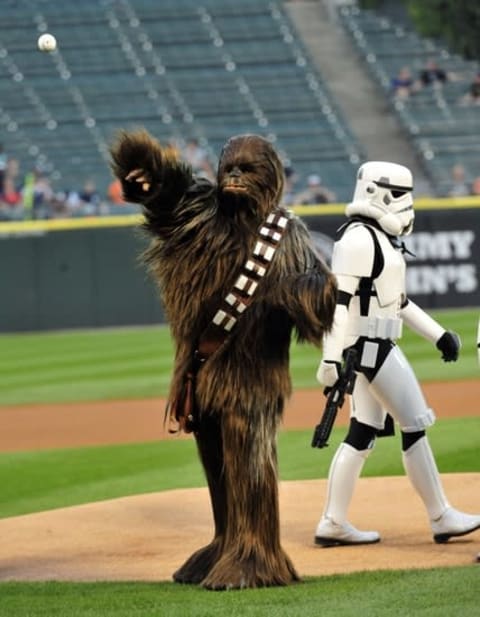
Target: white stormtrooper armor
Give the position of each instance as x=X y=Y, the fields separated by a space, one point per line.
x=372 y=306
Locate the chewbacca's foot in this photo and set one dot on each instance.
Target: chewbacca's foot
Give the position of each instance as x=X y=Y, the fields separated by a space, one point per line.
x=231 y=572
x=198 y=565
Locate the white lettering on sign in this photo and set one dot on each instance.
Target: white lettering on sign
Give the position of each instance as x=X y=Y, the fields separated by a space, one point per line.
x=441 y=245
x=462 y=278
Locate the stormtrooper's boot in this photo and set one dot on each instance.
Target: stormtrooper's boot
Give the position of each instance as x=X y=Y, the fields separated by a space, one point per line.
x=446 y=522
x=333 y=528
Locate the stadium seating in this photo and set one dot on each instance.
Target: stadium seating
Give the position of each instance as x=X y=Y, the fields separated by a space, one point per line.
x=443 y=131
x=180 y=68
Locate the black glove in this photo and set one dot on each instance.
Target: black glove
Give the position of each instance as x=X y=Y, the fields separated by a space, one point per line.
x=449 y=345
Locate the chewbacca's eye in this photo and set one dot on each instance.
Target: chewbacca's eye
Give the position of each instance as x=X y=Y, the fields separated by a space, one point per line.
x=246 y=167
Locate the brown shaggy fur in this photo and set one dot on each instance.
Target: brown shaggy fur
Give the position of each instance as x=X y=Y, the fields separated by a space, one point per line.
x=201 y=236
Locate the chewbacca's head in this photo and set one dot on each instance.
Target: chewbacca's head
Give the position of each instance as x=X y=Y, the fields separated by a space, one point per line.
x=250 y=175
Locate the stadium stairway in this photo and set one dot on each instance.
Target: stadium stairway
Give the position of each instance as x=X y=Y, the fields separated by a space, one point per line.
x=356 y=92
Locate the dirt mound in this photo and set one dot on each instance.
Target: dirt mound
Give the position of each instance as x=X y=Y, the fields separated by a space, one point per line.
x=147 y=537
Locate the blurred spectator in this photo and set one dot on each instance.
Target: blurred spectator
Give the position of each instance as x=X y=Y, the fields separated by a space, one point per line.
x=472 y=97
x=3 y=166
x=42 y=196
x=315 y=193
x=291 y=177
x=11 y=195
x=58 y=205
x=73 y=204
x=11 y=205
x=115 y=192
x=11 y=201
x=28 y=193
x=89 y=199
x=459 y=186
x=12 y=168
x=432 y=75
x=403 y=84
x=475 y=189
x=197 y=157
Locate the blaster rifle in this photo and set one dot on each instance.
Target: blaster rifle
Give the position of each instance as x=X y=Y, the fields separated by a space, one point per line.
x=335 y=399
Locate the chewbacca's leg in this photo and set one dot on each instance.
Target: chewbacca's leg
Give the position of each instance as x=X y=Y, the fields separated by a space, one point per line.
x=252 y=555
x=209 y=446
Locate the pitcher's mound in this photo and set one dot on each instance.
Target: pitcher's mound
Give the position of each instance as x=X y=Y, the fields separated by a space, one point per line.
x=148 y=537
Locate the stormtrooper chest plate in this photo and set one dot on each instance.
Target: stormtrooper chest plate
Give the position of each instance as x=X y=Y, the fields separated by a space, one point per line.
x=390 y=284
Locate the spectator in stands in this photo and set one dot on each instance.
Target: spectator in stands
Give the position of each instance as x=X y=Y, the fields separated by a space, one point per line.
x=194 y=154
x=403 y=84
x=472 y=97
x=42 y=196
x=115 y=192
x=475 y=189
x=459 y=186
x=432 y=75
x=11 y=200
x=3 y=166
x=11 y=195
x=90 y=201
x=288 y=198
x=72 y=202
x=11 y=205
x=12 y=169
x=315 y=193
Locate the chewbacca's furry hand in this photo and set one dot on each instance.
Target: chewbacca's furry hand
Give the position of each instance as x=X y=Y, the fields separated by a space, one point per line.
x=140 y=176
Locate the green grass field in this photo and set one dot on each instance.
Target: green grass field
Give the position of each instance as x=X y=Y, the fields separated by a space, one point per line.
x=131 y=363
x=49 y=479
x=447 y=592
x=136 y=362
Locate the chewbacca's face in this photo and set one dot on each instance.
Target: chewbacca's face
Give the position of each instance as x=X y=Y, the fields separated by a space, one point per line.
x=250 y=174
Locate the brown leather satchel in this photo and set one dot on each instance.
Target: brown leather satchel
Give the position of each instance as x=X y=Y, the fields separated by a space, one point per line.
x=182 y=412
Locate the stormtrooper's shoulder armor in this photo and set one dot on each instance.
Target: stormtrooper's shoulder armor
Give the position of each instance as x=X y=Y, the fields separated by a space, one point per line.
x=354 y=251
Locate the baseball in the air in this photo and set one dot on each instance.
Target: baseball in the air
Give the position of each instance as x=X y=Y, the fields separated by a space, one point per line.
x=47 y=42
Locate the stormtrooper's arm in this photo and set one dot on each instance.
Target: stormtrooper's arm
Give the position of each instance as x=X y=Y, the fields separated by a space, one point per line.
x=424 y=325
x=420 y=322
x=334 y=341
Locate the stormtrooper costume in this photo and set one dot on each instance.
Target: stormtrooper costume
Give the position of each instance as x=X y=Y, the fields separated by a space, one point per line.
x=372 y=306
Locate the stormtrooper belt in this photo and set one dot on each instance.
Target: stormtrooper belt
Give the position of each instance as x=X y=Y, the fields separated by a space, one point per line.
x=376 y=327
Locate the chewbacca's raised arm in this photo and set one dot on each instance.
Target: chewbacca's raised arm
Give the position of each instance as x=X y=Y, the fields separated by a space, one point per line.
x=151 y=175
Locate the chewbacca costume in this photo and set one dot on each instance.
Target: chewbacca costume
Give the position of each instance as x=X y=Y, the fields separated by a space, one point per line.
x=201 y=236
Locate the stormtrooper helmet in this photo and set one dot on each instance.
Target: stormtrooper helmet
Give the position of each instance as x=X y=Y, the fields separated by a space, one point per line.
x=383 y=192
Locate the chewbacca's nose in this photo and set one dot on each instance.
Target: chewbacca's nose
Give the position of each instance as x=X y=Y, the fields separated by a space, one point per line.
x=235 y=173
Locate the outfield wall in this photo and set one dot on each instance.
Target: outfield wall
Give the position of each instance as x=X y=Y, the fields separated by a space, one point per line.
x=86 y=273
x=75 y=278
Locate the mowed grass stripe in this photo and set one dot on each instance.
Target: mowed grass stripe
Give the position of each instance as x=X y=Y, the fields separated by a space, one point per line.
x=138 y=362
x=85 y=343
x=79 y=370
x=435 y=592
x=114 y=388
x=86 y=366
x=95 y=354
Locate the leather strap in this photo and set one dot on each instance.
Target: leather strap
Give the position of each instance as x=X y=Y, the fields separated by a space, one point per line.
x=241 y=295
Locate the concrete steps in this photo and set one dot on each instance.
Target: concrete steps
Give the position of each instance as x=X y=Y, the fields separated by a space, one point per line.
x=360 y=99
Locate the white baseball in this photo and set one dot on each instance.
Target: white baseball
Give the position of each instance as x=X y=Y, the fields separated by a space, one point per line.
x=47 y=42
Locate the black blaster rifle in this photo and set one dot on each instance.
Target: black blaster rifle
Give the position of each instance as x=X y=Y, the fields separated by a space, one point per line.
x=335 y=399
